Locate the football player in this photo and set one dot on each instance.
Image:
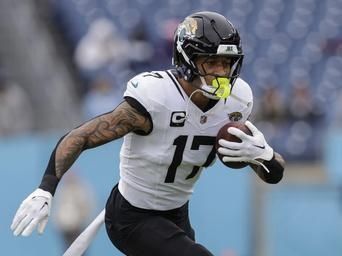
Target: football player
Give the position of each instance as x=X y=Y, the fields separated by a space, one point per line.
x=169 y=120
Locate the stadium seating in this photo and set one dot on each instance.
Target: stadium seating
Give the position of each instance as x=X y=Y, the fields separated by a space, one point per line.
x=285 y=42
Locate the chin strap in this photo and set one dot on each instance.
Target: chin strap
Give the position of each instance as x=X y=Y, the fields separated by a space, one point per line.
x=188 y=101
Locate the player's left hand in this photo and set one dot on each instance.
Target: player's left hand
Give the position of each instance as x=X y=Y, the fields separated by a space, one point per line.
x=251 y=149
x=33 y=211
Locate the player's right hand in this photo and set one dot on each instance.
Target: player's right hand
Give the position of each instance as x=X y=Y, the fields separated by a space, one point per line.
x=33 y=211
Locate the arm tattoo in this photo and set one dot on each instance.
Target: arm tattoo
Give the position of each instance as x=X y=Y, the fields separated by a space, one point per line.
x=96 y=132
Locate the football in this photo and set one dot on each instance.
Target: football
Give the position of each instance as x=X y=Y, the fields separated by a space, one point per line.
x=224 y=134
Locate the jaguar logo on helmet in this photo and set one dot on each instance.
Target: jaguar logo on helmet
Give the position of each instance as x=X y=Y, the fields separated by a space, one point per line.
x=188 y=27
x=235 y=116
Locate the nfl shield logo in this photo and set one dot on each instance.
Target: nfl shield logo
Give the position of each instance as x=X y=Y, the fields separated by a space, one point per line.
x=203 y=119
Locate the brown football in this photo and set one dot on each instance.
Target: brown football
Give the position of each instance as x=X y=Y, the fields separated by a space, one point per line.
x=224 y=134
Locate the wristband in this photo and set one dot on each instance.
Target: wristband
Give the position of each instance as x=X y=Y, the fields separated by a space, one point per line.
x=49 y=183
x=276 y=170
x=273 y=164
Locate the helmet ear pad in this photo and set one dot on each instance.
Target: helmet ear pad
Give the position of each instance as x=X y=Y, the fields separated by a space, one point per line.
x=186 y=73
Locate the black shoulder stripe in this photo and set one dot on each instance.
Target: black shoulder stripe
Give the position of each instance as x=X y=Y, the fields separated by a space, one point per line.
x=175 y=83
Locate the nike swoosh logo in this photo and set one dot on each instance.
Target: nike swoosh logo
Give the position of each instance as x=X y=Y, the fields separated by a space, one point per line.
x=44 y=205
x=262 y=147
x=135 y=85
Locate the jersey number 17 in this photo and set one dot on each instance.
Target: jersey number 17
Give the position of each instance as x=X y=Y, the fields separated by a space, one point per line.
x=180 y=143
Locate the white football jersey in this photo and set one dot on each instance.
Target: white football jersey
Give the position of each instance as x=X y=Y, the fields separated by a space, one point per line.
x=158 y=171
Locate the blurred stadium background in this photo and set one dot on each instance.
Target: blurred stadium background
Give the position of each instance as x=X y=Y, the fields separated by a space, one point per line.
x=65 y=61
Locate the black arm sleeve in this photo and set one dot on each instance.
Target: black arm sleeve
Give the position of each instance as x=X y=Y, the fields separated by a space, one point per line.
x=50 y=181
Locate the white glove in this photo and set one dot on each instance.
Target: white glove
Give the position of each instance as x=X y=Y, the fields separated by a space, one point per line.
x=251 y=149
x=33 y=211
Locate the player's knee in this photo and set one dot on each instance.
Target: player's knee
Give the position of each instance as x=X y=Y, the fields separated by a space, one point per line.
x=198 y=250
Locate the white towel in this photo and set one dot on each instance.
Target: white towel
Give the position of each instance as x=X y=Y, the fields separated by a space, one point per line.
x=82 y=242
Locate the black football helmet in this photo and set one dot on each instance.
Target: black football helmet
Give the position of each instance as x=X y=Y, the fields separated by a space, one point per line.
x=206 y=34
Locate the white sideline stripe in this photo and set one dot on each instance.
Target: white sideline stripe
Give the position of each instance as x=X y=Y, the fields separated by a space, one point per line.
x=82 y=242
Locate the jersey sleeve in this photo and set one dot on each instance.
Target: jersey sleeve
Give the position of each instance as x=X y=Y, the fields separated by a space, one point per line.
x=144 y=90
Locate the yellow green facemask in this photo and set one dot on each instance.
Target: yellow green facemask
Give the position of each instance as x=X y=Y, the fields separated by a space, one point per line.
x=223 y=85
